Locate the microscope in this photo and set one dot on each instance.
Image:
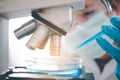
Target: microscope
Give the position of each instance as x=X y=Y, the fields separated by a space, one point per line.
x=49 y=23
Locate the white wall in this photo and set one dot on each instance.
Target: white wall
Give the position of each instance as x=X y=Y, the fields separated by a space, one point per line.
x=3 y=44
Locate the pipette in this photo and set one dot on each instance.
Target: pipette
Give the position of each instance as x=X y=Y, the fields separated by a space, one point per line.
x=86 y=42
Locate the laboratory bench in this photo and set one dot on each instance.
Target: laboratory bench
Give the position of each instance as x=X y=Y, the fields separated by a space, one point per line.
x=21 y=75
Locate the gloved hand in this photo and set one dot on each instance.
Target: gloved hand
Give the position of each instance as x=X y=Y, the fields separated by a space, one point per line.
x=114 y=33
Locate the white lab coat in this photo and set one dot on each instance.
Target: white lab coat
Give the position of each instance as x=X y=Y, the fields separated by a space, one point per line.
x=91 y=66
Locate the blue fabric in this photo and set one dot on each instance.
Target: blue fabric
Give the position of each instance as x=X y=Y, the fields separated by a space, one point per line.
x=114 y=33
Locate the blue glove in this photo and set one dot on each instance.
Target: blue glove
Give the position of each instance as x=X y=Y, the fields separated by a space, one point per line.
x=114 y=33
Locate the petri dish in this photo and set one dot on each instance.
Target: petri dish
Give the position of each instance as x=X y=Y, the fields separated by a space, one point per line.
x=56 y=66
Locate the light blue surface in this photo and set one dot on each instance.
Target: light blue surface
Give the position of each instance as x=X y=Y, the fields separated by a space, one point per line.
x=74 y=73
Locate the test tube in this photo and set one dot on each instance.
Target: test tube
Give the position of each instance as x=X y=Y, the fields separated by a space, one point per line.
x=25 y=29
x=38 y=38
x=55 y=44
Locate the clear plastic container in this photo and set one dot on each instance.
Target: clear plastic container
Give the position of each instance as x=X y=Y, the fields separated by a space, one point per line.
x=56 y=66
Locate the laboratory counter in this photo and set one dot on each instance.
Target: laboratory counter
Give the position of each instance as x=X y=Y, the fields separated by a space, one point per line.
x=21 y=75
